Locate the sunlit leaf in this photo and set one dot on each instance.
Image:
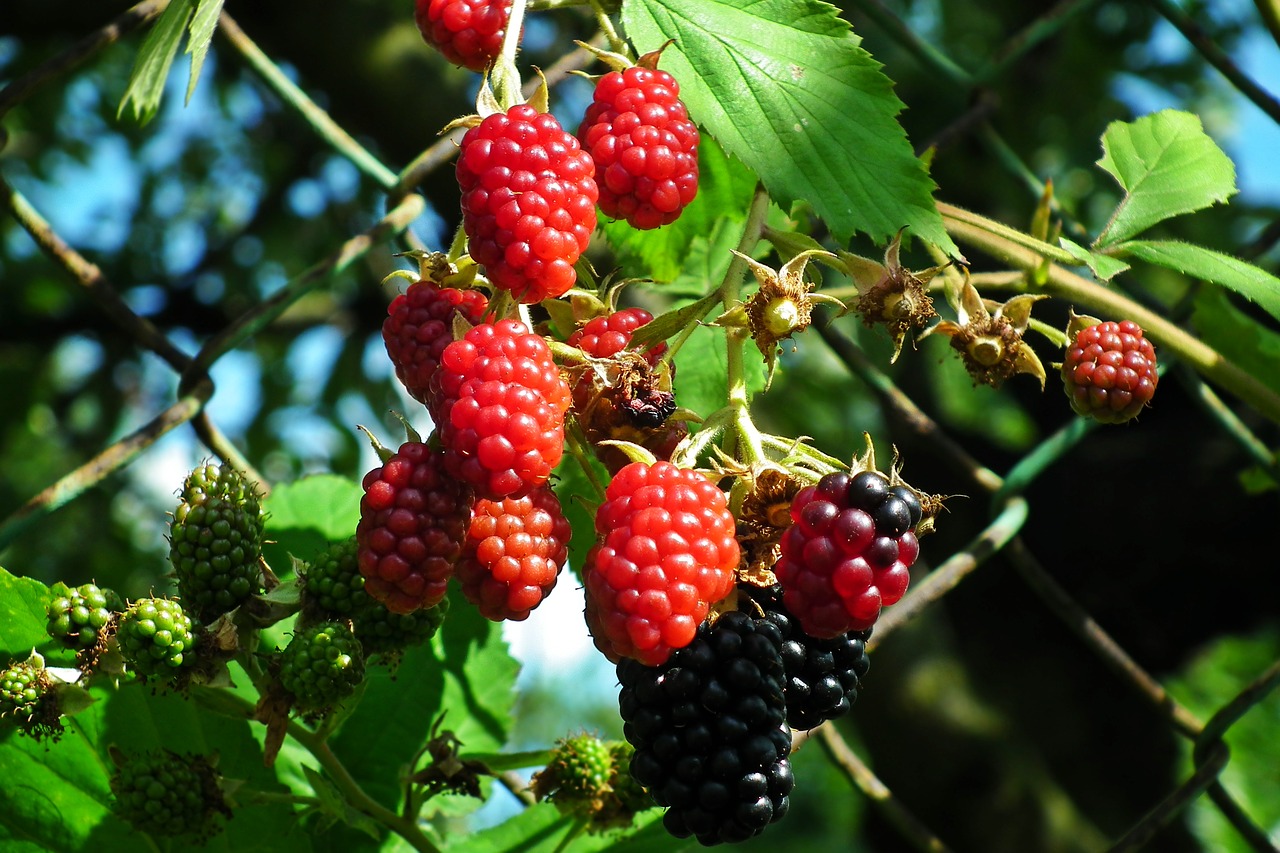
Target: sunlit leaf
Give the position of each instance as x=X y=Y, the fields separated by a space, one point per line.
x=1167 y=165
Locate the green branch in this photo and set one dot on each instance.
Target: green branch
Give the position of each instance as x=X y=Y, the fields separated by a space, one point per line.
x=1021 y=250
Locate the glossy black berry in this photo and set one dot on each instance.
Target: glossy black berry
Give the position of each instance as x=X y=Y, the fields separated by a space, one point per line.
x=822 y=677
x=710 y=733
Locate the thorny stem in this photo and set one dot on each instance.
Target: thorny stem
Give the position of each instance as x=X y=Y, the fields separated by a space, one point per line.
x=405 y=827
x=576 y=442
x=616 y=43
x=730 y=293
x=867 y=781
x=321 y=122
x=504 y=77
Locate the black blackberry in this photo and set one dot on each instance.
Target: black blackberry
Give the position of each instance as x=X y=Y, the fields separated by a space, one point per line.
x=710 y=732
x=822 y=676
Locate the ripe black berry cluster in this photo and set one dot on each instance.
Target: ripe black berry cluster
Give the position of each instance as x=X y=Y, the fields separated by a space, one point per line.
x=710 y=732
x=822 y=675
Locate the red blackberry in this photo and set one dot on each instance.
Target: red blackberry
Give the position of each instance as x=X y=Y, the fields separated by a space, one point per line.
x=1109 y=372
x=413 y=518
x=848 y=551
x=528 y=201
x=467 y=32
x=501 y=404
x=419 y=326
x=709 y=730
x=514 y=551
x=610 y=334
x=667 y=553
x=822 y=676
x=644 y=146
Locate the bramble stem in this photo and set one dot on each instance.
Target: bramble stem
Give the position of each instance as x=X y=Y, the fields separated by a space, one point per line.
x=736 y=338
x=1027 y=253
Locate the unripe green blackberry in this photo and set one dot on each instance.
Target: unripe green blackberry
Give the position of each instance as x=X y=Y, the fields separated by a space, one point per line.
x=590 y=780
x=165 y=794
x=577 y=777
x=215 y=541
x=322 y=665
x=334 y=587
x=27 y=698
x=76 y=615
x=157 y=638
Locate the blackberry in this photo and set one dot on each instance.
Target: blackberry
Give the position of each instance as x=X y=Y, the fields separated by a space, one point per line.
x=710 y=732
x=215 y=541
x=166 y=794
x=848 y=551
x=28 y=699
x=76 y=615
x=322 y=665
x=822 y=676
x=157 y=639
x=334 y=589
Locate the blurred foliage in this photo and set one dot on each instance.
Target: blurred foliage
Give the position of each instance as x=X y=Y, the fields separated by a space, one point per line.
x=989 y=719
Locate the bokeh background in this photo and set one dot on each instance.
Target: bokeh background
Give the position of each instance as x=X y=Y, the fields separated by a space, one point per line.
x=985 y=714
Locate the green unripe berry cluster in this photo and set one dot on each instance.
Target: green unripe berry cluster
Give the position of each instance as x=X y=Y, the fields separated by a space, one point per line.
x=157 y=638
x=168 y=795
x=335 y=588
x=322 y=665
x=215 y=541
x=77 y=614
x=22 y=688
x=589 y=779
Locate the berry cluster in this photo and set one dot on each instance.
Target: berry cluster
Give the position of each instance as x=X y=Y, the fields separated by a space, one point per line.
x=1109 y=372
x=710 y=732
x=590 y=780
x=668 y=552
x=644 y=146
x=822 y=675
x=157 y=639
x=78 y=615
x=468 y=33
x=514 y=551
x=334 y=589
x=848 y=551
x=28 y=699
x=412 y=519
x=528 y=201
x=419 y=326
x=215 y=540
x=502 y=405
x=322 y=665
x=169 y=795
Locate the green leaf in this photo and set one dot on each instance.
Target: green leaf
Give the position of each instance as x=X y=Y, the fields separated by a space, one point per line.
x=203 y=23
x=151 y=70
x=1167 y=166
x=466 y=671
x=58 y=797
x=784 y=86
x=1247 y=343
x=1253 y=283
x=571 y=484
x=23 y=618
x=542 y=827
x=306 y=515
x=725 y=188
x=701 y=368
x=1104 y=267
